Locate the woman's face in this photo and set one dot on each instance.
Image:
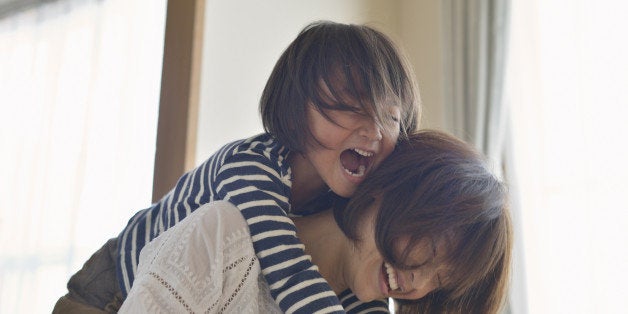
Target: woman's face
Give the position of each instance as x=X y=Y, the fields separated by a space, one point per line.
x=371 y=278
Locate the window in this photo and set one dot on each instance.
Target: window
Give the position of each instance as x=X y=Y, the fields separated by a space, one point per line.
x=568 y=74
x=80 y=94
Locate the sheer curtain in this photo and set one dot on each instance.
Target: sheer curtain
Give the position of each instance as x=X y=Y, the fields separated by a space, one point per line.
x=79 y=96
x=476 y=34
x=568 y=78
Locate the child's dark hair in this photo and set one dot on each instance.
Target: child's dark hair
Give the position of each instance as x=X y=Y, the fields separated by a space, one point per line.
x=434 y=186
x=352 y=61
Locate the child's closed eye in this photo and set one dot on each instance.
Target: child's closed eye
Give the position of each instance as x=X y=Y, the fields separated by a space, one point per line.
x=350 y=108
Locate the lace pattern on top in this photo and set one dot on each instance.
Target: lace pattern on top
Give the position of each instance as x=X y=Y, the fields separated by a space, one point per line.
x=204 y=264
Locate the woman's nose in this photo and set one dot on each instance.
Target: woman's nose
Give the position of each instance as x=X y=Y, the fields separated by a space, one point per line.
x=420 y=283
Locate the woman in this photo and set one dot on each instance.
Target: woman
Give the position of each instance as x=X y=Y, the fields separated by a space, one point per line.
x=429 y=228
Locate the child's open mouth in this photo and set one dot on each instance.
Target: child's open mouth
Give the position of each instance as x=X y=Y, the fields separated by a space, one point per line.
x=356 y=161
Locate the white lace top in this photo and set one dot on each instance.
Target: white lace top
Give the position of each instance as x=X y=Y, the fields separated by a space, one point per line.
x=204 y=264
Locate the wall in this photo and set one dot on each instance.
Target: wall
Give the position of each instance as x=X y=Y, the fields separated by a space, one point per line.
x=244 y=38
x=421 y=34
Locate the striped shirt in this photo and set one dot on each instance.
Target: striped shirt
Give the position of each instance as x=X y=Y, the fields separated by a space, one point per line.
x=254 y=175
x=353 y=305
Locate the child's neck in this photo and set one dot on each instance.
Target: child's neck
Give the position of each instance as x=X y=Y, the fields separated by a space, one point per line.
x=306 y=182
x=327 y=245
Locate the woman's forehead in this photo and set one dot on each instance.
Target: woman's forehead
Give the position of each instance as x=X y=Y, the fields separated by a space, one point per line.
x=425 y=249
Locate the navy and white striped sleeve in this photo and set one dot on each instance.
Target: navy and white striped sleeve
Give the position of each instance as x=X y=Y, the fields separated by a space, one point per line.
x=256 y=185
x=353 y=305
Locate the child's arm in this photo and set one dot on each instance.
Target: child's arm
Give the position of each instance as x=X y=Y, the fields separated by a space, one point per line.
x=259 y=186
x=352 y=304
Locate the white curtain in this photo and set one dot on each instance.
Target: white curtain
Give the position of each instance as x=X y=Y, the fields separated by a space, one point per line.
x=79 y=95
x=568 y=83
x=476 y=39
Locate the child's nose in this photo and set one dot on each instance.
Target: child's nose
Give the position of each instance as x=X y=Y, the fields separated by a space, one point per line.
x=371 y=130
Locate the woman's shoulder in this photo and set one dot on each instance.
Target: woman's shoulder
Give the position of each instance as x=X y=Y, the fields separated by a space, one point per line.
x=210 y=229
x=207 y=253
x=197 y=247
x=219 y=214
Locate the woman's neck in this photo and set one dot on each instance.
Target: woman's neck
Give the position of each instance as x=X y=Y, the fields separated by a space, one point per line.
x=327 y=245
x=306 y=182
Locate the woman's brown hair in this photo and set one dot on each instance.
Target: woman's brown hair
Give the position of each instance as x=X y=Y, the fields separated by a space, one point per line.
x=346 y=61
x=434 y=186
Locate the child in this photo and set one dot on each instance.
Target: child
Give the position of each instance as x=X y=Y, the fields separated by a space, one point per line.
x=429 y=228
x=333 y=108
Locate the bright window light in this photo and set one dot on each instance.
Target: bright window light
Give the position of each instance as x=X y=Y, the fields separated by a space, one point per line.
x=79 y=88
x=568 y=87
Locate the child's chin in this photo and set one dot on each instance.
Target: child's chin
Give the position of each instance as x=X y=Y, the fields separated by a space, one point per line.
x=346 y=191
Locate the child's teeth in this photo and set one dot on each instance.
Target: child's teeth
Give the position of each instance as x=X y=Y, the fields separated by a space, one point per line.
x=361 y=170
x=392 y=279
x=358 y=173
x=362 y=152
